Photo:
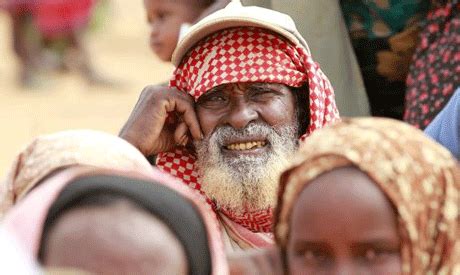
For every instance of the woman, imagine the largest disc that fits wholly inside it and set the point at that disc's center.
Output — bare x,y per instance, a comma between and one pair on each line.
126,223
377,196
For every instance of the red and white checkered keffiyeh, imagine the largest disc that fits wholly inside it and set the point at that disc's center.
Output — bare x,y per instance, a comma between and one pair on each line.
247,54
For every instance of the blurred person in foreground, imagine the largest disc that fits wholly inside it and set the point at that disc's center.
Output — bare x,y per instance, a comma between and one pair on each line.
245,92
114,222
14,259
434,73
41,27
370,196
69,195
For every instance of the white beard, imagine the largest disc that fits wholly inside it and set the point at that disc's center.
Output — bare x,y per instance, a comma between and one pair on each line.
246,182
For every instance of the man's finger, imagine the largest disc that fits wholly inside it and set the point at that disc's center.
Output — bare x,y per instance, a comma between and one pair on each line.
189,117
181,133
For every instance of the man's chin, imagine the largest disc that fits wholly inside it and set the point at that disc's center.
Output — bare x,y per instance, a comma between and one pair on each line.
242,184
243,167
240,171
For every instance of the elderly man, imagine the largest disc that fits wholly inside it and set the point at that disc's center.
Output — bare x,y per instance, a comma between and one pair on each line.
244,92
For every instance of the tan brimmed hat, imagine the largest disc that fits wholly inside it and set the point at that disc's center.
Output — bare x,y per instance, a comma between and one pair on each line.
236,15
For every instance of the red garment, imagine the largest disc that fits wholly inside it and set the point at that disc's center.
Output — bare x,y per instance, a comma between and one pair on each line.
435,72
55,18
247,55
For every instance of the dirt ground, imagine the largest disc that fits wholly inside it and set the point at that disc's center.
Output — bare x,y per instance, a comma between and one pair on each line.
119,50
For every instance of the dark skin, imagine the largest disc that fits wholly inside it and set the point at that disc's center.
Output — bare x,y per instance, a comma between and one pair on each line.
256,262
235,105
342,223
83,238
27,51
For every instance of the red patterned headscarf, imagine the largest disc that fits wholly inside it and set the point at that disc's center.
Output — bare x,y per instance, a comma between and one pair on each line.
247,54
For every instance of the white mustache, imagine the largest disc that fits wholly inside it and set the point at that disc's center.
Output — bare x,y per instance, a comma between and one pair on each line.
224,133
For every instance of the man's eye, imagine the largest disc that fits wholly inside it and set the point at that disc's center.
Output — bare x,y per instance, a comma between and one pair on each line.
216,98
213,101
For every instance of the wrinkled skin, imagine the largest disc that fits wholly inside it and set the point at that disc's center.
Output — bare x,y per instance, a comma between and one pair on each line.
151,131
236,105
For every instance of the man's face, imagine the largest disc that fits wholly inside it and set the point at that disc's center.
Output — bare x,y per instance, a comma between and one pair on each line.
250,133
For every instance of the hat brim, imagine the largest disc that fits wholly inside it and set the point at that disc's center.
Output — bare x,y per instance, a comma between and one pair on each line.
200,31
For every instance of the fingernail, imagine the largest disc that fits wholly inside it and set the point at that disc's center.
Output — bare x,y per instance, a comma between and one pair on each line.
185,141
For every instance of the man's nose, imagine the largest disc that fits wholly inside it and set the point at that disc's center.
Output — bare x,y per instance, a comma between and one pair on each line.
241,114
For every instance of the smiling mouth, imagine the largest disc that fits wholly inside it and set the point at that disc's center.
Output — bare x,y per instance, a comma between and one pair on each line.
242,146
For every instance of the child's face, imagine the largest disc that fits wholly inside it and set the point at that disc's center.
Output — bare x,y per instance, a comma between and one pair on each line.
342,223
165,18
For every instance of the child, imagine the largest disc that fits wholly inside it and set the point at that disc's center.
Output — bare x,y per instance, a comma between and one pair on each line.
166,18
41,24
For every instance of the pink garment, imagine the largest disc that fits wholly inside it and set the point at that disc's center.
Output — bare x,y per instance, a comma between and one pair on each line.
26,220
55,18
18,7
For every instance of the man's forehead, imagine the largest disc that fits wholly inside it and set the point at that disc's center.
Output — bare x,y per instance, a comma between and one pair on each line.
248,85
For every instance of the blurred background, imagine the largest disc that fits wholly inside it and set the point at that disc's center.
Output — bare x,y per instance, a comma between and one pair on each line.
118,47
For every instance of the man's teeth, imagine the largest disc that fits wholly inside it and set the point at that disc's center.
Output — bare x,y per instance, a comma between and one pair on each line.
246,145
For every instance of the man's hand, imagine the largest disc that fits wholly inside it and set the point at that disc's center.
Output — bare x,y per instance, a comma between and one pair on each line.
162,118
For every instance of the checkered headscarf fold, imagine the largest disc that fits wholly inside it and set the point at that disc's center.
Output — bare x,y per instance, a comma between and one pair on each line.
247,54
